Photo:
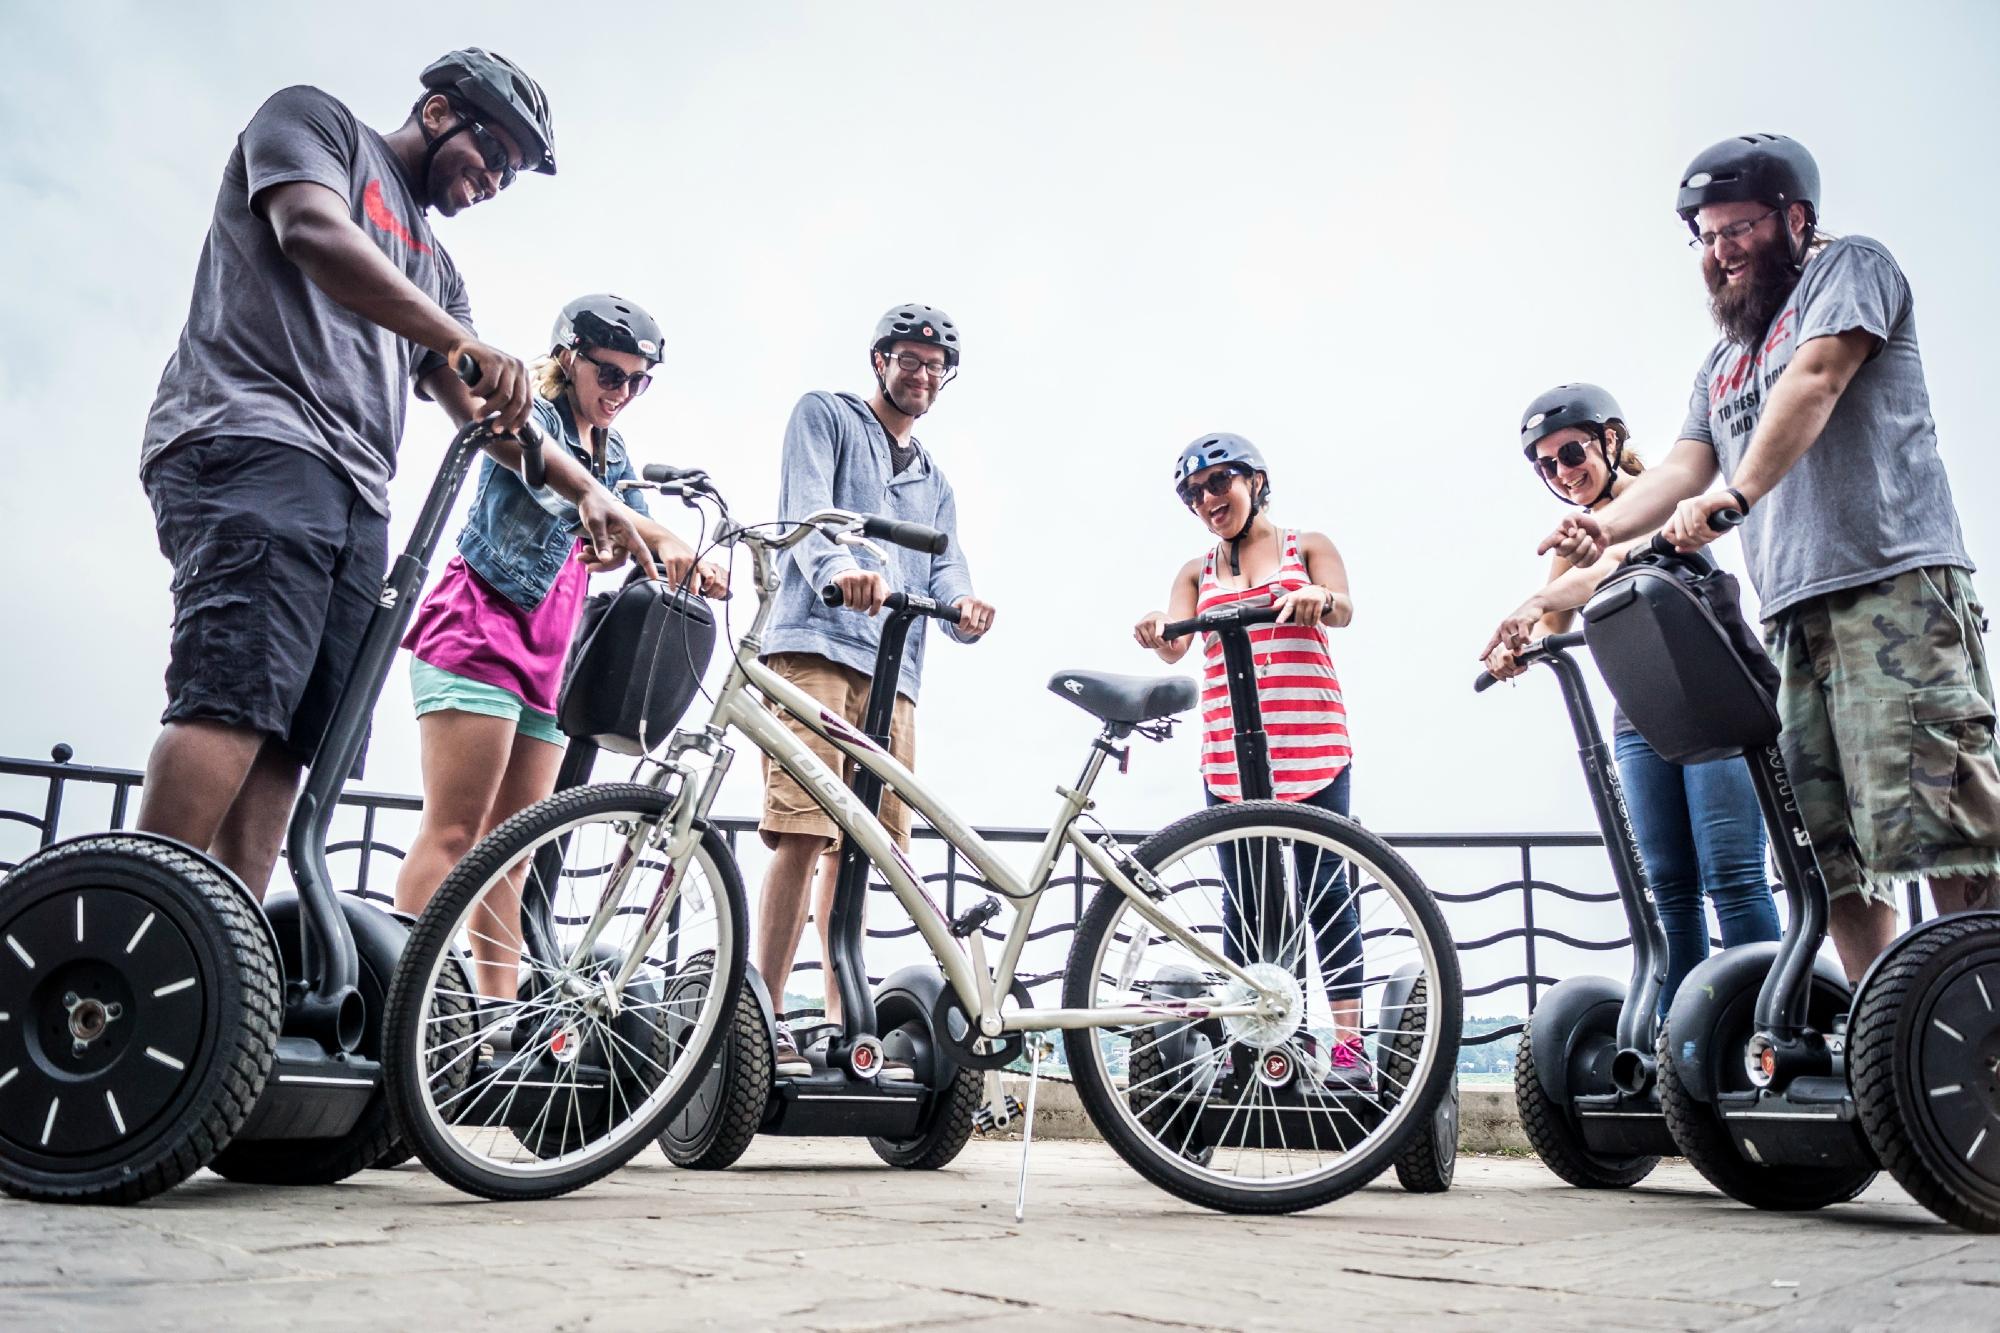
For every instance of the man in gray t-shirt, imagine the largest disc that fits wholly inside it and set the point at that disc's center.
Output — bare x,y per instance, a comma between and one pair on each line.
1813,407
321,295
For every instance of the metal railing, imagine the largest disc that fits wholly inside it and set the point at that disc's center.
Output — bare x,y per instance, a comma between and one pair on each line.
1511,954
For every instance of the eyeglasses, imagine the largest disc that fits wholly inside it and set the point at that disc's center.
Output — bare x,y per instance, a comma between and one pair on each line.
611,378
1570,455
1218,484
939,371
492,152
1732,233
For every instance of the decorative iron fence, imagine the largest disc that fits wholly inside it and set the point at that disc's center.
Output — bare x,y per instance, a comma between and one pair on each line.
1508,932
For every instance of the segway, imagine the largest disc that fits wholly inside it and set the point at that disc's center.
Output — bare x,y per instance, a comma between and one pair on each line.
1584,1073
1429,1162
154,1019
1779,1091
919,1123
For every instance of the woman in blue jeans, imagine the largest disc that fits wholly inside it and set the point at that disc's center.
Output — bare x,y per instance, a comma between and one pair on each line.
1699,829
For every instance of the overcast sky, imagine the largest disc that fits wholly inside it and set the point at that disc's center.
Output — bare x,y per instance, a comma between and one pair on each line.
1363,236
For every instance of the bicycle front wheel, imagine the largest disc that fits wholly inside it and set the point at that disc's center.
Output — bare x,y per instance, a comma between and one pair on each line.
545,1074
1344,1063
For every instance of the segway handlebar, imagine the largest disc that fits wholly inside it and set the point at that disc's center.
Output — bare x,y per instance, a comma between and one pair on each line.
1722,520
915,603
1223,617
1540,650
534,470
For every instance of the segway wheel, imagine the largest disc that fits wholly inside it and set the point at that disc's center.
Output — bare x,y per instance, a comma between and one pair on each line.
1429,1163
956,1090
1554,1135
1925,1067
716,1126
139,1011
1704,1140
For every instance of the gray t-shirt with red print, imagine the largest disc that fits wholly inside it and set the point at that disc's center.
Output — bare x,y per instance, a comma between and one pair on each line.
267,354
1869,500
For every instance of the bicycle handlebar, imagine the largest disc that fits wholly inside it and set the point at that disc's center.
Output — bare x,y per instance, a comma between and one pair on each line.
911,536
534,470
1221,618
915,603
1540,650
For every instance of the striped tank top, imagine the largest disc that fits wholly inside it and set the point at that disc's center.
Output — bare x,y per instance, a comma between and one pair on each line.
1297,690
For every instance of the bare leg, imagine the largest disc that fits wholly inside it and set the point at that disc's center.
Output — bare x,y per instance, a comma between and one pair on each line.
465,757
827,881
255,827
1861,930
1965,893
193,778
530,776
781,908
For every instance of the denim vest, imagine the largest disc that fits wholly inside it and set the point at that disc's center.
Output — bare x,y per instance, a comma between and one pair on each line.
517,539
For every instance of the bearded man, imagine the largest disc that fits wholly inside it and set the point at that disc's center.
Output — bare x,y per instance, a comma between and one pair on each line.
1813,408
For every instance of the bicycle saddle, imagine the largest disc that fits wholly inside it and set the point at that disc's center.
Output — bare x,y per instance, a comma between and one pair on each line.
1125,699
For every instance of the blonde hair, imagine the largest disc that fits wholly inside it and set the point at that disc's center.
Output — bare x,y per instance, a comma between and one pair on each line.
1629,461
549,378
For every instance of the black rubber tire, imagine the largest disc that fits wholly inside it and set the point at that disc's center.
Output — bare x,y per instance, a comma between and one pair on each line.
950,1127
1895,1059
1555,1137
399,1150
721,1119
1146,1062
372,1137
1703,1139
433,935
1104,1101
234,1026
1429,1163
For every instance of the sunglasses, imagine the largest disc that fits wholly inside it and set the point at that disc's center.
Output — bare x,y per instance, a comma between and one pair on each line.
611,379
491,151
1570,455
1218,484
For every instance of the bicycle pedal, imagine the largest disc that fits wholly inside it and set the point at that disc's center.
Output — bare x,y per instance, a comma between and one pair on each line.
975,916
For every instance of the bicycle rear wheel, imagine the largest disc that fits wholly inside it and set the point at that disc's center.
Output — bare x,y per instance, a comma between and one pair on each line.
1319,1093
553,1083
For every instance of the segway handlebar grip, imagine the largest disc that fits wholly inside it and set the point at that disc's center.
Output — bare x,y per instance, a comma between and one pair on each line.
1722,520
533,470
911,536
914,602
1540,650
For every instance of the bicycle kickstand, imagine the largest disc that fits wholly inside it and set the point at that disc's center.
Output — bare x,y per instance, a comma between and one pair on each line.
1038,1046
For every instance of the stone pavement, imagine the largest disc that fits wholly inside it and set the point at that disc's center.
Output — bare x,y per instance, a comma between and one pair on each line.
816,1234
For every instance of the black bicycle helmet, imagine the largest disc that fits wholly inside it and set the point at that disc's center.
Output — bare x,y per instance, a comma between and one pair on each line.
1583,405
917,324
1753,168
610,322
496,87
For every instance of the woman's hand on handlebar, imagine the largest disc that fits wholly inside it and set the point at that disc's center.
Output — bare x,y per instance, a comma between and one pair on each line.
974,617
502,390
1516,632
1502,663
861,590
1147,631
1688,529
1304,606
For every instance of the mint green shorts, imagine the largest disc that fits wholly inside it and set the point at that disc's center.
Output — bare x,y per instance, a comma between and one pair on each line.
436,689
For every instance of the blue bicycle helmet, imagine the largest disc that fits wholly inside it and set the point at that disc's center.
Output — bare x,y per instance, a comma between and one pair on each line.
1222,447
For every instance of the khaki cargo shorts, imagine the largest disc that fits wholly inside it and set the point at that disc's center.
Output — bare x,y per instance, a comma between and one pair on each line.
1887,706
844,692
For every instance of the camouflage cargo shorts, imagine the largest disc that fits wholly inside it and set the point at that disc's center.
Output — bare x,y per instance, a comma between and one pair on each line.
1888,730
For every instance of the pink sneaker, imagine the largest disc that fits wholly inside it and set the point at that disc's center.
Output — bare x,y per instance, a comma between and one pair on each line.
1348,1068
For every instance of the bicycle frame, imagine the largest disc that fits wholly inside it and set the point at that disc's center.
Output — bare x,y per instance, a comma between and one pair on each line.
982,992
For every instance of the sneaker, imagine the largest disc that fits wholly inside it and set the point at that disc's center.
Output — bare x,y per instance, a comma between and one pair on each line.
787,1061
1348,1069
896,1071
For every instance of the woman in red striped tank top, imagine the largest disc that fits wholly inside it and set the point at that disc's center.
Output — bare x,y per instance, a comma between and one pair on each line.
1223,480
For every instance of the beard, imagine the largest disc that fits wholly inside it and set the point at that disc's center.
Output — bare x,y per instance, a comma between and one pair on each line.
1744,309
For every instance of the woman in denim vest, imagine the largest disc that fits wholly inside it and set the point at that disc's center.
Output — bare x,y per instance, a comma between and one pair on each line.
1699,829
487,646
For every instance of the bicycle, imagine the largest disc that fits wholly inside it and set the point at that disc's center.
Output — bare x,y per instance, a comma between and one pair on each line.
1244,1120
